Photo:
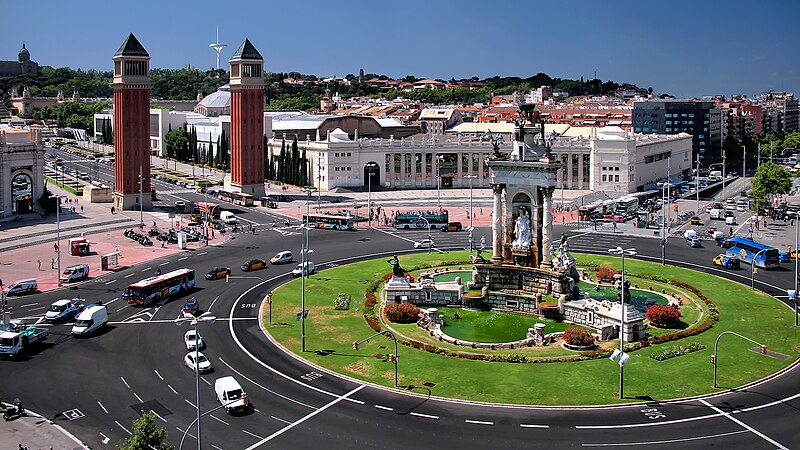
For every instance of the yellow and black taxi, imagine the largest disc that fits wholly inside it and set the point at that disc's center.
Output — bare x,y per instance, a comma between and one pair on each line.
695,221
726,261
254,264
218,272
452,226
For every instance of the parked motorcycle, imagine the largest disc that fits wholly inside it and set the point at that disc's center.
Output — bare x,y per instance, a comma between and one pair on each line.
14,411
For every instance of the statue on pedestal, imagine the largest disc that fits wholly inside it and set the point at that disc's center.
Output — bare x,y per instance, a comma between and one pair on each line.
522,231
396,269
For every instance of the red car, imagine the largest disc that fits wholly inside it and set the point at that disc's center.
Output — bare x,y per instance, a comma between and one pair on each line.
191,307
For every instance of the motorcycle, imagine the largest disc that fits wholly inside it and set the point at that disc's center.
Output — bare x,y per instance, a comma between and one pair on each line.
14,411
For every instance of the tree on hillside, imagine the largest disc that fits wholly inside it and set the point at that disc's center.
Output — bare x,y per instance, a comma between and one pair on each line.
146,435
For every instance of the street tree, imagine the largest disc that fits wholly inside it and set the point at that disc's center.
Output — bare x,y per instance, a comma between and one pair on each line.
770,180
146,435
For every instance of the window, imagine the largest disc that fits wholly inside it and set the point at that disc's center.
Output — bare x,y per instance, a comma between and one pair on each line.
604,178
616,169
637,130
616,178
691,115
669,122
668,130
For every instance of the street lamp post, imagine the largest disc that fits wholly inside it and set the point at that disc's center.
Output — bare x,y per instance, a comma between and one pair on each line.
430,238
195,321
716,347
697,185
303,274
753,269
438,184
796,238
723,174
58,236
370,166
744,160
622,253
470,177
141,205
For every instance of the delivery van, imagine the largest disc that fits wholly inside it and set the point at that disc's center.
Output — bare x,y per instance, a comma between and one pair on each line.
22,287
228,217
75,273
90,319
230,394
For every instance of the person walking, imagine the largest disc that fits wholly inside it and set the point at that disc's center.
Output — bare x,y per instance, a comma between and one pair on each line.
112,210
52,263
39,262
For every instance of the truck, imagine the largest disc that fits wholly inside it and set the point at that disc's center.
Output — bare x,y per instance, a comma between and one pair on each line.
715,213
14,342
715,175
89,319
62,310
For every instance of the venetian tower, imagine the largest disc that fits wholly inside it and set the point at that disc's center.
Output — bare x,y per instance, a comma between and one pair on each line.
131,125
247,121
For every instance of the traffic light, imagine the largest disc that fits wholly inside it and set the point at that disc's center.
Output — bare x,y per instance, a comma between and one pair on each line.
392,358
355,345
763,349
713,359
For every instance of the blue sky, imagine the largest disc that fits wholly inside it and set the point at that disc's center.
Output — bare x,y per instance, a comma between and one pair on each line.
686,48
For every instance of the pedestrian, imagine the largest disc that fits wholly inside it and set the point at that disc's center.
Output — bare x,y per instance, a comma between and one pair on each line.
52,263
81,208
731,231
163,244
562,220
116,249
55,247
39,262
154,224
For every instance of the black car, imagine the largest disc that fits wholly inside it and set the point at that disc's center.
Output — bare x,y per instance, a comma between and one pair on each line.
254,264
452,226
217,273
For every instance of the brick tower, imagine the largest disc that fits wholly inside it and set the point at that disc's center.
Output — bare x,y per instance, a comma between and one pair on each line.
247,121
131,125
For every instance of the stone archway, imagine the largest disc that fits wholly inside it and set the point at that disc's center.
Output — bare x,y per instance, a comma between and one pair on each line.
372,175
21,193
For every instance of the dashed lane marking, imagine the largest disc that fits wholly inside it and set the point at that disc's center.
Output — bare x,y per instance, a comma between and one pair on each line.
162,419
426,416
111,281
159,375
101,405
265,388
164,263
530,425
126,383
173,389
385,408
478,422
181,259
206,381
744,425
120,425
281,420
202,253
218,419
138,398
129,275
145,270
187,401
253,434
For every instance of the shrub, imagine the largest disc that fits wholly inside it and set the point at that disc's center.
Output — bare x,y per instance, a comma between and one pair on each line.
606,274
663,316
388,276
401,312
676,350
578,336
342,302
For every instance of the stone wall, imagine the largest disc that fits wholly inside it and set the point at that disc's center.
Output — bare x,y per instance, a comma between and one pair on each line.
514,302
425,296
527,279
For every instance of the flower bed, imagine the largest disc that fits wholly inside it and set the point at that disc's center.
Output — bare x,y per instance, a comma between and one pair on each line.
673,351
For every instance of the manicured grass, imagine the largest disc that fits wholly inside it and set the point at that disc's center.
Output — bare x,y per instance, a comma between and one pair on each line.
493,326
330,333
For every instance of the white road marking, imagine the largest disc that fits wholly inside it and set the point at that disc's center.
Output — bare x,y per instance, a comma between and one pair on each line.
280,420
385,408
154,313
218,448
126,430
202,253
164,263
207,382
145,270
112,301
36,309
187,401
121,309
181,259
29,304
126,383
111,281
310,415
744,425
105,438
158,375
218,419
138,398
669,441
129,275
101,405
173,389
162,419
187,433
530,425
427,416
478,422
212,303
253,434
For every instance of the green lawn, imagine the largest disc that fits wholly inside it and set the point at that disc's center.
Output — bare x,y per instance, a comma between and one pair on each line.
493,326
330,333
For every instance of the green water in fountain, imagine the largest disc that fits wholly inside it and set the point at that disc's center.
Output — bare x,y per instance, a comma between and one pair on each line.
493,326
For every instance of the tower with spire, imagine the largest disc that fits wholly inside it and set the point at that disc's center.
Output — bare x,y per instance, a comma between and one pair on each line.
247,121
131,85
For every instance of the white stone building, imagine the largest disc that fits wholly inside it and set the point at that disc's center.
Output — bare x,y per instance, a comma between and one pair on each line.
21,171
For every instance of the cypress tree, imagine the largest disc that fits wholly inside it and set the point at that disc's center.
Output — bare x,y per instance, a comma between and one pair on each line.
224,150
303,169
270,164
295,165
282,162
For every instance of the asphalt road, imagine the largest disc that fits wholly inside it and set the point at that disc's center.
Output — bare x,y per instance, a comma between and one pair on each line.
95,387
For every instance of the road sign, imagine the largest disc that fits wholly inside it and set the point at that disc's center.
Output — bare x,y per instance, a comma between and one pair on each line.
663,242
791,293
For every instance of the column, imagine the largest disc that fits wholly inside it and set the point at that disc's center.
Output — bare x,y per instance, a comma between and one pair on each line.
497,231
569,180
481,168
402,169
508,226
392,173
547,226
459,170
580,171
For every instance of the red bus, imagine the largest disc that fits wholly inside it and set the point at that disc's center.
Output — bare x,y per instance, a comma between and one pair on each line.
237,198
159,287
206,211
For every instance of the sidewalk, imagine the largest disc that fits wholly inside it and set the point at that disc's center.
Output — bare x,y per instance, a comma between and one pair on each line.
35,432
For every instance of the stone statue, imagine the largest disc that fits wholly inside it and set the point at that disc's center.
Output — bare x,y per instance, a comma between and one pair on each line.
396,269
522,231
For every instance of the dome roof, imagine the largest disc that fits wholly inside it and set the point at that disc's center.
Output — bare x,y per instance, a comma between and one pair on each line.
219,99
24,54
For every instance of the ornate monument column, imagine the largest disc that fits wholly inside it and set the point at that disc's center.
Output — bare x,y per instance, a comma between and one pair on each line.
547,225
497,231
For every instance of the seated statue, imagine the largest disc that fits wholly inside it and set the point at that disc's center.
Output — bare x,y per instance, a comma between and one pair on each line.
522,231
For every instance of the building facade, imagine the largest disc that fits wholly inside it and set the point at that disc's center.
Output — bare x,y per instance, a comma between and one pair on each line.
701,119
22,66
21,171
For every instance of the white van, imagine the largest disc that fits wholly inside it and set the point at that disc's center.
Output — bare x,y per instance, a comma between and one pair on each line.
282,257
75,273
230,394
22,287
228,217
90,319
301,270
689,235
730,220
715,213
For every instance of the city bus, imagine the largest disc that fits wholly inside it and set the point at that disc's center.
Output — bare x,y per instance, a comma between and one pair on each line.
159,287
237,198
330,221
626,208
406,220
206,211
590,212
746,250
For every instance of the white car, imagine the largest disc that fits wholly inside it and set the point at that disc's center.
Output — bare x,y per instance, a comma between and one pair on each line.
193,341
425,243
203,366
307,252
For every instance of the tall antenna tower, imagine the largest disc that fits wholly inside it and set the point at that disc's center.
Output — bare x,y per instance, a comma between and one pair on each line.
217,47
